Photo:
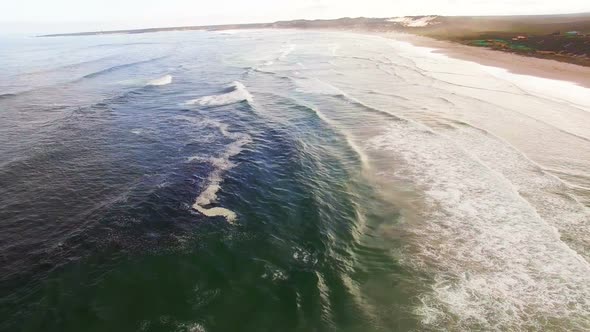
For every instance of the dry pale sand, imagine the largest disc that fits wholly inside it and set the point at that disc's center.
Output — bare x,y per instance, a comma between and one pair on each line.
512,62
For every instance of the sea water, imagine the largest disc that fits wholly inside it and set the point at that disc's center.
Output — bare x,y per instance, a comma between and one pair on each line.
286,181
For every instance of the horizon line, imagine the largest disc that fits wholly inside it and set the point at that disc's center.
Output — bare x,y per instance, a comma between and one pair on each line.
197,27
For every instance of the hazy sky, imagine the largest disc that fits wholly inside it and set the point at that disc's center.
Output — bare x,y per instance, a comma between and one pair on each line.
70,15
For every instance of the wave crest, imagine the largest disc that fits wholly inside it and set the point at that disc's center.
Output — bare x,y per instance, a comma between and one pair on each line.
235,93
164,80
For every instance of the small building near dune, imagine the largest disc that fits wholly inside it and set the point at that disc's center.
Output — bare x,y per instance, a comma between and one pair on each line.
572,33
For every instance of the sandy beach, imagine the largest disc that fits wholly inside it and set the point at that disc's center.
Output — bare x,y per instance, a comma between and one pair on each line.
514,63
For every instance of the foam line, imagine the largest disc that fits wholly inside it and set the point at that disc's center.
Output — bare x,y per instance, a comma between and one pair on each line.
496,260
221,164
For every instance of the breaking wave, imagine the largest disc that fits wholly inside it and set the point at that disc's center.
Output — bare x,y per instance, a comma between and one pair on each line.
505,242
235,93
286,50
496,256
164,80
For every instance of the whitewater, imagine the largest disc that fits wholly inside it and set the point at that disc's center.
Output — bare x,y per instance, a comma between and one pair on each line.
502,232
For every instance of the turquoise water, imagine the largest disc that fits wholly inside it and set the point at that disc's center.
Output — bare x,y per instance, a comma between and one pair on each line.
283,181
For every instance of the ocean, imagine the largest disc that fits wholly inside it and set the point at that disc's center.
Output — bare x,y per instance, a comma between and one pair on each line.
273,180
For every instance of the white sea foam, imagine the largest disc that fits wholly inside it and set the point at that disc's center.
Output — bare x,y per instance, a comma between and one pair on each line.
190,327
334,49
164,80
274,273
283,53
506,243
221,164
497,262
286,50
237,93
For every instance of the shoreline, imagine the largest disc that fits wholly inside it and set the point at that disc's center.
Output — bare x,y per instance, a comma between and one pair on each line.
513,63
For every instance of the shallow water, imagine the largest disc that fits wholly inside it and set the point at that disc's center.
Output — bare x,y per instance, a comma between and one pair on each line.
287,181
